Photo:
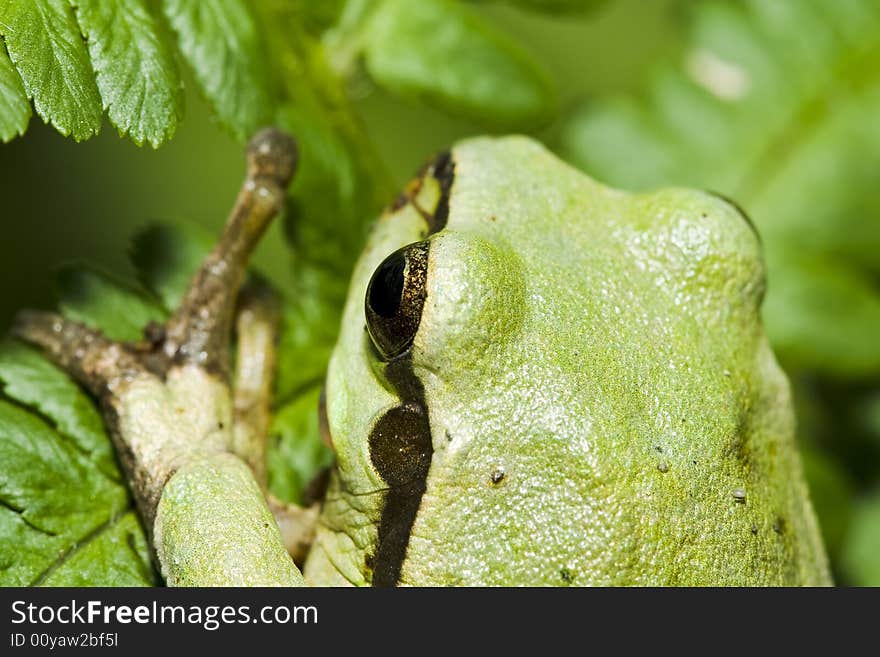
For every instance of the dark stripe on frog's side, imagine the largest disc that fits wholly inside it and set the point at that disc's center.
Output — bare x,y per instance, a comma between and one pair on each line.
401,448
400,443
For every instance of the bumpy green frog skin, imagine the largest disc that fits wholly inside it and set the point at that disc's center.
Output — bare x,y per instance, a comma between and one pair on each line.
559,383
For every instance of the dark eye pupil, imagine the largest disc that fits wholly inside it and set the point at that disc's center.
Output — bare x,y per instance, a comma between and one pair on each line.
386,288
394,299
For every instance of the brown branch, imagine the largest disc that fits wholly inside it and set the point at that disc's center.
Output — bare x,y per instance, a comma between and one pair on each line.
199,331
91,358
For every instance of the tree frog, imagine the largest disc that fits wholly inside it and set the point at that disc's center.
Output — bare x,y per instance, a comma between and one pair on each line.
540,380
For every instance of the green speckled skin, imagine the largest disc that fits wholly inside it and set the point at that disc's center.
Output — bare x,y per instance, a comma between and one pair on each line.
606,351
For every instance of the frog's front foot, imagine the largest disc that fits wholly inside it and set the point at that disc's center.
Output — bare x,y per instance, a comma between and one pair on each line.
193,449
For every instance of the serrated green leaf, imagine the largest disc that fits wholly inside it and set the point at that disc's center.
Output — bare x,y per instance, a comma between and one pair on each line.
116,555
96,300
166,257
45,44
33,381
136,71
441,52
15,109
221,42
774,105
41,469
296,451
861,558
55,503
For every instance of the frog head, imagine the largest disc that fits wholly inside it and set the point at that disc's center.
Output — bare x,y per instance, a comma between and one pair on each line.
543,380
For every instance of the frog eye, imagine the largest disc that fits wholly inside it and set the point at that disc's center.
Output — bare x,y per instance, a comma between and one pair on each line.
395,297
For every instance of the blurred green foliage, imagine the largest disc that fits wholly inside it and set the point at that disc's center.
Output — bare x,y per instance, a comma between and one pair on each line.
771,103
